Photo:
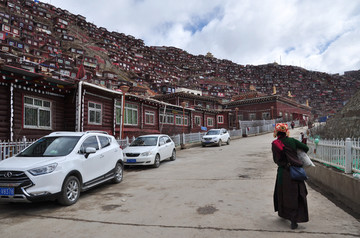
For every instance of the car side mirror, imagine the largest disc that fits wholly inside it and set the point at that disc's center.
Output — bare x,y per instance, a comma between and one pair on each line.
89,150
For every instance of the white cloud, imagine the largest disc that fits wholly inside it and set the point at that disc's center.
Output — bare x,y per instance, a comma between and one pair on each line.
318,35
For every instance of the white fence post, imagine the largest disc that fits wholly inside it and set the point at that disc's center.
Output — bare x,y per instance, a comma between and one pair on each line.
348,157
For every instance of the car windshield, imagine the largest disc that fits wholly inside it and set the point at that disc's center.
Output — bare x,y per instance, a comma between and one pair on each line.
145,141
51,147
214,132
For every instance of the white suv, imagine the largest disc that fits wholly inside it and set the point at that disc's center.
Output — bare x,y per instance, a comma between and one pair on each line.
216,137
60,166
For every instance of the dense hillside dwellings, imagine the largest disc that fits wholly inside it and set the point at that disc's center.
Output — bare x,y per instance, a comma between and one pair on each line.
47,44
34,105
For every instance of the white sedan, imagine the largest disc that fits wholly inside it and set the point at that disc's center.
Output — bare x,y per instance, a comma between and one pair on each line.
149,150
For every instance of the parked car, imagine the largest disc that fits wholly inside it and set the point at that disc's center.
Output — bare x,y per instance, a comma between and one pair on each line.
60,166
149,150
216,137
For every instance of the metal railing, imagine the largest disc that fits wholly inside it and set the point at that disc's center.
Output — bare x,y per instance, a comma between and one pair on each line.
11,148
8,149
343,154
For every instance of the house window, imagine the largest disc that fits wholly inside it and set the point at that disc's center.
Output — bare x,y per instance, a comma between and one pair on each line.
286,116
266,115
180,120
37,113
220,119
170,118
149,117
94,113
197,120
280,114
252,116
131,114
210,121
118,111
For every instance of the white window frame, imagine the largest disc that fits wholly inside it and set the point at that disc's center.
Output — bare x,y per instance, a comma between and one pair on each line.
252,116
210,121
197,120
131,111
220,119
179,120
39,105
170,119
94,109
149,117
118,112
286,116
266,115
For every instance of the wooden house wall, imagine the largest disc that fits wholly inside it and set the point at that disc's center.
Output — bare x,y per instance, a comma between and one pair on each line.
70,112
4,112
133,130
225,122
142,128
197,128
107,110
206,116
57,114
153,128
173,129
257,108
293,112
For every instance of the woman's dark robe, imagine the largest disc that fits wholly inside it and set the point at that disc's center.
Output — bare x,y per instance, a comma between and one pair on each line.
289,195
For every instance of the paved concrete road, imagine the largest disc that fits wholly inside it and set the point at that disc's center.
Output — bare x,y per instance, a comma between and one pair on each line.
207,192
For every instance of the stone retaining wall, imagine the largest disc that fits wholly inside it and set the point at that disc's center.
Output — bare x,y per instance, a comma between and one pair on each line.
344,187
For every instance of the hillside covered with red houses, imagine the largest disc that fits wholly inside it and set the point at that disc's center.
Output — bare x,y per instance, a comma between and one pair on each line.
45,39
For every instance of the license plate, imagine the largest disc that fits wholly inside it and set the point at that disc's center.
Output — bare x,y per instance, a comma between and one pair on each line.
131,160
7,191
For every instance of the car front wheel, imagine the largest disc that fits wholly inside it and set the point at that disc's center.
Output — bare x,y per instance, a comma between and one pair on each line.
220,142
70,192
118,173
228,141
157,161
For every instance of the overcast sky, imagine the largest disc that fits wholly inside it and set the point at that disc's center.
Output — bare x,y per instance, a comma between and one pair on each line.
320,35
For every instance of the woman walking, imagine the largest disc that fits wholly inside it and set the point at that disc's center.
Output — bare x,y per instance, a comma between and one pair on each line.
289,195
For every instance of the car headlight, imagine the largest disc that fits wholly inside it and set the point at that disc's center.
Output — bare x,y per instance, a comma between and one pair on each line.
43,170
147,153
